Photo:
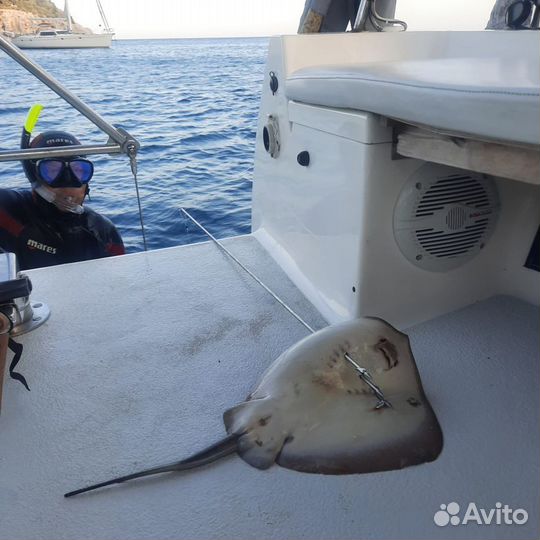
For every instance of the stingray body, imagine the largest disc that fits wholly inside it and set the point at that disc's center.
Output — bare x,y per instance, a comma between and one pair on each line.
312,412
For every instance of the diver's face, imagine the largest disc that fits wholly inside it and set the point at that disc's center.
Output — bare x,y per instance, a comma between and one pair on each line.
74,194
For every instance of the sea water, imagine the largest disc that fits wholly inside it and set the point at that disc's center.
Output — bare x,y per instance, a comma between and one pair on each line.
191,103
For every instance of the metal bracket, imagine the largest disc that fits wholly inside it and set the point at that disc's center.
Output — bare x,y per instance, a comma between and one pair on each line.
18,315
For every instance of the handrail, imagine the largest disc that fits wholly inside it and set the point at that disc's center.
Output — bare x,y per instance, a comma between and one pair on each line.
361,16
125,143
59,151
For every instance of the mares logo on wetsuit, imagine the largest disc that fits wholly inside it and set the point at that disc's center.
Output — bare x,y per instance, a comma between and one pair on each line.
32,244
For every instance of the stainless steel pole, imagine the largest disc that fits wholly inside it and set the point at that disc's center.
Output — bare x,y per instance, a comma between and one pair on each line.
361,16
60,151
121,138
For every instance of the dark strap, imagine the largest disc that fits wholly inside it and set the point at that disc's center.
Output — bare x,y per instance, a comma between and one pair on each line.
17,349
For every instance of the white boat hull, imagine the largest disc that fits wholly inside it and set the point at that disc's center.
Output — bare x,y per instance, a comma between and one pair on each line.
65,41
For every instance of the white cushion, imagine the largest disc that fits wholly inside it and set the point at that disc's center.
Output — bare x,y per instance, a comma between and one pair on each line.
482,97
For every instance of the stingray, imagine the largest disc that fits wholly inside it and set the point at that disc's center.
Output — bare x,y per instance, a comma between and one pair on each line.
311,412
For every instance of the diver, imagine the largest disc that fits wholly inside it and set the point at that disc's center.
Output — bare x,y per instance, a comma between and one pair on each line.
48,224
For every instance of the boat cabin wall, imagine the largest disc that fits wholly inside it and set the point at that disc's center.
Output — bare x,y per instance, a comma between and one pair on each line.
324,205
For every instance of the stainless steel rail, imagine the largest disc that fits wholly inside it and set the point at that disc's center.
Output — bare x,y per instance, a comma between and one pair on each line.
361,16
59,151
122,141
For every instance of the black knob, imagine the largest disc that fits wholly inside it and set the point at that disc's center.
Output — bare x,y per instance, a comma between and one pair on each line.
274,83
303,158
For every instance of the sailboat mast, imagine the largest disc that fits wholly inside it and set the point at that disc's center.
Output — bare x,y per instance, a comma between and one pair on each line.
68,16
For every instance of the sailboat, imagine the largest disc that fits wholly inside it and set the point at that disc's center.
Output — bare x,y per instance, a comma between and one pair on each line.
52,38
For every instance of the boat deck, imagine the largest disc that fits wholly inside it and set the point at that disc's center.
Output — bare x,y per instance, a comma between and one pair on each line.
144,352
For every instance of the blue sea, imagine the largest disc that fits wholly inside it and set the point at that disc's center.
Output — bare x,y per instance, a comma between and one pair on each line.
191,103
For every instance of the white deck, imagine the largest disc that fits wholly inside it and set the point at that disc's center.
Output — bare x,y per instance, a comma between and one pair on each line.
144,352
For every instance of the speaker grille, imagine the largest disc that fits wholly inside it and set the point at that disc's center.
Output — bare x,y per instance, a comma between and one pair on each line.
444,217
453,189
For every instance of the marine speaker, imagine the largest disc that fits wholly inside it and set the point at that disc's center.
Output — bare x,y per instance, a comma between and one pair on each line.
444,216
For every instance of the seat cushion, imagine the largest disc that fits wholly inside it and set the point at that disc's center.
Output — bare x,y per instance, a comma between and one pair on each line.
481,97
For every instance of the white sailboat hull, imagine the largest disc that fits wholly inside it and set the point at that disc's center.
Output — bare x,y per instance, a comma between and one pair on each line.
64,41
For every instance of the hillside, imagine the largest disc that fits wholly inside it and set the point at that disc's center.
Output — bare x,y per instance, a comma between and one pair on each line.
16,16
38,8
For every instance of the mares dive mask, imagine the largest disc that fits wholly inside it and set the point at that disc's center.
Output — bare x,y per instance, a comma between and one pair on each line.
46,174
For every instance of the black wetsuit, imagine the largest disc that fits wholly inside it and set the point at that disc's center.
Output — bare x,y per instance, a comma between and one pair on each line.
40,235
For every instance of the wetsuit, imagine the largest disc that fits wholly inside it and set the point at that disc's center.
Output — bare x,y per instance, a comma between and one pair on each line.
40,235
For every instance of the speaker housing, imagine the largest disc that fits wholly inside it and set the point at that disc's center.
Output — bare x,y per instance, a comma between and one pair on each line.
444,216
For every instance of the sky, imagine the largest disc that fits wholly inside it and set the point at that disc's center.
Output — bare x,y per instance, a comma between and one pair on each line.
216,18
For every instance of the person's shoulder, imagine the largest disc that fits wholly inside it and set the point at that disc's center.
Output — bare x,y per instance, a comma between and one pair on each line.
15,195
103,229
100,225
95,219
13,199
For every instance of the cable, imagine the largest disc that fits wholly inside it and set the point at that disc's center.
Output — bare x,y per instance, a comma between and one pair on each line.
132,153
221,246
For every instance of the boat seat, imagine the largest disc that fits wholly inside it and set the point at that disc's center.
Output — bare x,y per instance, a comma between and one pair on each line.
484,98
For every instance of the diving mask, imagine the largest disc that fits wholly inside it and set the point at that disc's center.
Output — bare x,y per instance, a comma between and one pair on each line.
73,172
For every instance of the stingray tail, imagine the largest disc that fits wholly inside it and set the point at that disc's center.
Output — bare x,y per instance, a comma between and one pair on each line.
212,453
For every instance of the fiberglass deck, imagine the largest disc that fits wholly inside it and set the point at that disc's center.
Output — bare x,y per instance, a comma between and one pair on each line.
143,353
